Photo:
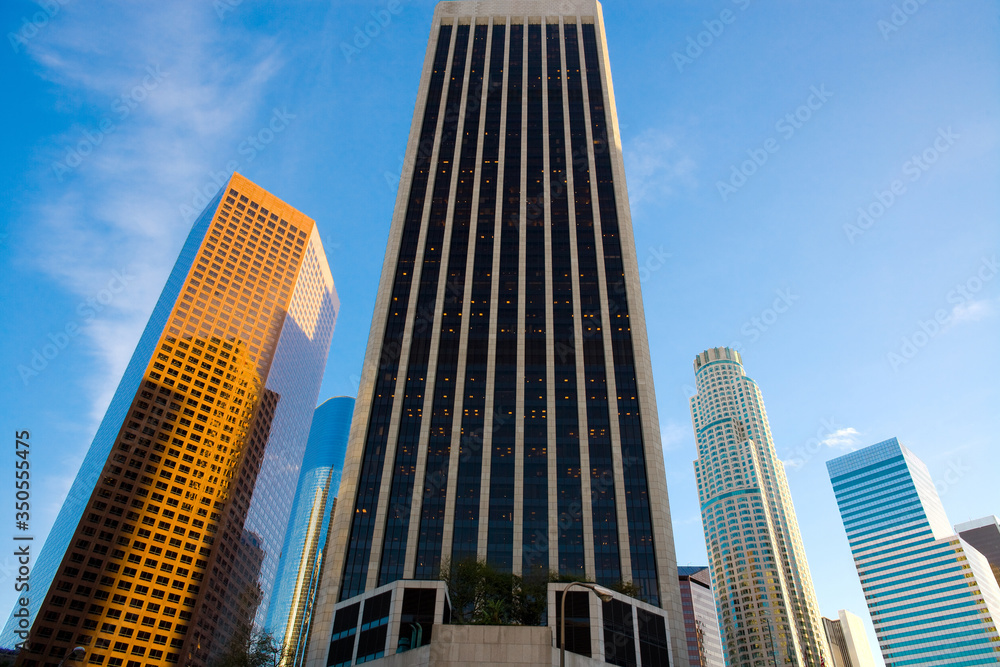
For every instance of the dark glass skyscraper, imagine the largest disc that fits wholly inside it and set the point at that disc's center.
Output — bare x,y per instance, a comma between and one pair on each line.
506,410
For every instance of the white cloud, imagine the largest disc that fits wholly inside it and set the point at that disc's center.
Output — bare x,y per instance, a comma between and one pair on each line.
654,165
843,438
846,439
972,311
673,434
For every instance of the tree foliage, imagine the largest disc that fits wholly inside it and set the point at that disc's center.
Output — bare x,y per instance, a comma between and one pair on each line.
483,595
628,588
249,648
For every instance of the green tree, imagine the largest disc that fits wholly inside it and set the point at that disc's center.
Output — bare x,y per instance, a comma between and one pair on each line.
483,595
628,588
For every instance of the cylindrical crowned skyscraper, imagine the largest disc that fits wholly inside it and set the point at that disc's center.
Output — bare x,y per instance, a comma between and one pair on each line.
506,410
767,607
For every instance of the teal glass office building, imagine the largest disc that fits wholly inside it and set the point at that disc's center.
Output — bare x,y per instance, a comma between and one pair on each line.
302,554
932,596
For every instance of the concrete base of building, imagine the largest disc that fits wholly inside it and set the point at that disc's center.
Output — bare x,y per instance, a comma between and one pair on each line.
409,623
486,646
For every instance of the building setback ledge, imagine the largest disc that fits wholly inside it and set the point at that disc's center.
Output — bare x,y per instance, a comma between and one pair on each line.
486,646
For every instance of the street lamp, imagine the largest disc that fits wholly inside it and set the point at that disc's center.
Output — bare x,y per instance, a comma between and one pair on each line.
74,655
602,593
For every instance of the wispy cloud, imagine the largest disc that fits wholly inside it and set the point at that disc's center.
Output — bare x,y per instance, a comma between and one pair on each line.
828,436
972,311
843,438
673,434
655,166
188,100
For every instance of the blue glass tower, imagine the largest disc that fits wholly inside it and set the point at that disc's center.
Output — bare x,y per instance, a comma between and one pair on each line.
932,597
305,540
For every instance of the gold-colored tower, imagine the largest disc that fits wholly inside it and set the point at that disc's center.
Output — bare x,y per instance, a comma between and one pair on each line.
174,551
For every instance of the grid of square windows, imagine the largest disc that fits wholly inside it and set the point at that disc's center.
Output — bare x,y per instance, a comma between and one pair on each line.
139,563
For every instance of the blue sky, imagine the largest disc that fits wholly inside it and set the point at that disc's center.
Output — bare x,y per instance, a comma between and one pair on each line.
753,133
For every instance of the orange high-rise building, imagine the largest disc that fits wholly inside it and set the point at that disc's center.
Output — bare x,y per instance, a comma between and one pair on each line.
169,540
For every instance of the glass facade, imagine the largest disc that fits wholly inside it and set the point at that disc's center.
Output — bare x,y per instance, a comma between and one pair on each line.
500,530
701,621
766,601
305,545
550,337
577,621
396,618
984,535
177,542
377,435
932,597
295,375
506,411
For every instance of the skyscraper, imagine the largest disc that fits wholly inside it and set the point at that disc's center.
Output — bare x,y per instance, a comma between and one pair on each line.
701,620
305,548
169,539
767,607
932,597
847,640
984,535
506,410
838,644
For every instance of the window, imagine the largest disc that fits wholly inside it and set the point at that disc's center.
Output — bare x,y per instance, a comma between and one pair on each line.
619,640
577,622
345,625
417,618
